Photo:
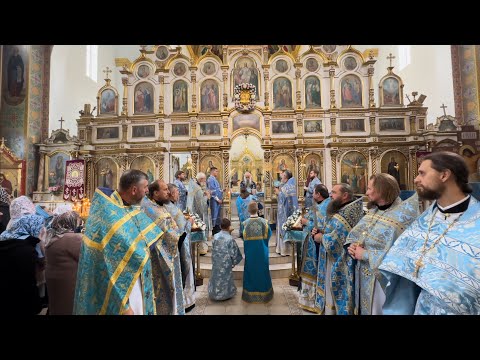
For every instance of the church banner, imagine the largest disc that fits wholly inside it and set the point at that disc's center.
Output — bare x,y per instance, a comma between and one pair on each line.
74,188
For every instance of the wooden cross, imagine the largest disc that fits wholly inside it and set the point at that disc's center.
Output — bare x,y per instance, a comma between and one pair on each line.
61,123
107,71
444,107
390,57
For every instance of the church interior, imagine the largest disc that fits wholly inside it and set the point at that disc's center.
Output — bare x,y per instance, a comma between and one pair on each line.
74,118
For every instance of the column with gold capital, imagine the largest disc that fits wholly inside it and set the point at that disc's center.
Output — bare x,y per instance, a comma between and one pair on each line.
125,96
161,80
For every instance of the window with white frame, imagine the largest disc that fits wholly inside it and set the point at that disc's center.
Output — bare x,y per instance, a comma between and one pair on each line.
403,56
92,61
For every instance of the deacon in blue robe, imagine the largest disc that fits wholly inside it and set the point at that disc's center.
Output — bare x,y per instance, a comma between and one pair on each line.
182,190
311,188
216,199
335,287
257,282
309,266
242,207
225,255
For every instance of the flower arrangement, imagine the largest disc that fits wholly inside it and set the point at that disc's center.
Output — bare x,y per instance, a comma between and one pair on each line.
198,223
244,95
292,222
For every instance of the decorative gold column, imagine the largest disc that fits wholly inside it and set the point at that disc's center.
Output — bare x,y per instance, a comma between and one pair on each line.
333,122
194,164
333,156
193,130
266,120
299,126
413,125
161,80
298,73
266,78
225,87
161,165
373,156
414,167
331,73
372,126
371,92
124,132
89,186
300,177
193,77
125,96
161,131
267,171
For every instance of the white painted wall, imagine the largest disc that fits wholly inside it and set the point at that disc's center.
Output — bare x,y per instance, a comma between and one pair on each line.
70,88
429,73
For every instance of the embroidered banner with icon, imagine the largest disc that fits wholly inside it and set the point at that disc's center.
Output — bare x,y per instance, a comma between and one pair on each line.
74,188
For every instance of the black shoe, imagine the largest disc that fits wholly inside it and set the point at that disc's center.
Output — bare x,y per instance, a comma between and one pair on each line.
190,308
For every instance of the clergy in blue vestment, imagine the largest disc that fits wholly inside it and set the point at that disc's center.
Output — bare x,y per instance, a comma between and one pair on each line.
257,282
182,190
184,226
242,206
335,288
114,269
309,264
287,203
314,181
433,267
167,274
370,240
225,255
197,203
216,199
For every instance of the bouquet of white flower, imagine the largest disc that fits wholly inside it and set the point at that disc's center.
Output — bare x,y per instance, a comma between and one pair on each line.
293,221
198,223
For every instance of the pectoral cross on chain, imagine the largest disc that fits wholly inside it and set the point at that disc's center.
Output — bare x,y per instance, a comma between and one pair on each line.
418,265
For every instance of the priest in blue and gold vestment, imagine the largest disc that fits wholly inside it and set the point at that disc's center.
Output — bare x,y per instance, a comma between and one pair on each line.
257,282
370,240
335,288
287,200
309,266
188,279
433,267
114,270
198,203
167,274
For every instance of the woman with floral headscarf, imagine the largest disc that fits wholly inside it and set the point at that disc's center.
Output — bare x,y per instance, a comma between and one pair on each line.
19,266
62,252
19,208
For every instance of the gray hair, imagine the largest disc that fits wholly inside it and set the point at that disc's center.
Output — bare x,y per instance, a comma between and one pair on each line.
201,175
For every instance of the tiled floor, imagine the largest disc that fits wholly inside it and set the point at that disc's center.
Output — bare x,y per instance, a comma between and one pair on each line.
284,302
